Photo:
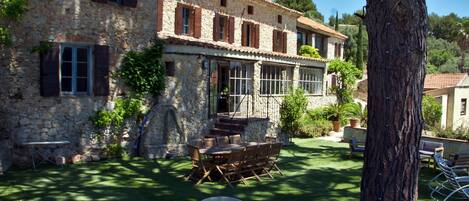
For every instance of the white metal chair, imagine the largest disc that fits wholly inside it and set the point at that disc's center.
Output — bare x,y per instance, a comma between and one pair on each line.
451,182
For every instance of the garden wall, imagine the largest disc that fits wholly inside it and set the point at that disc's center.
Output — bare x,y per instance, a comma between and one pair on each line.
5,155
451,146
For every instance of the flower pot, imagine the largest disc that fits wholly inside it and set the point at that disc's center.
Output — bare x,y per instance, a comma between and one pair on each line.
76,159
354,123
336,126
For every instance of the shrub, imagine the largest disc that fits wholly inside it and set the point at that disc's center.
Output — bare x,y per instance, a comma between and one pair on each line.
460,133
309,51
292,109
319,113
347,76
431,111
314,128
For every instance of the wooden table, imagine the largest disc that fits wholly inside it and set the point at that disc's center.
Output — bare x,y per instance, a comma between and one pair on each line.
39,153
228,149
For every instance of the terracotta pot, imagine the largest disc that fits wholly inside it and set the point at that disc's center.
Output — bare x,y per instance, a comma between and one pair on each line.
354,123
336,126
76,159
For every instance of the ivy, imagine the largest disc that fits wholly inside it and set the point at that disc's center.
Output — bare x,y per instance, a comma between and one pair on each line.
10,10
142,71
347,76
123,109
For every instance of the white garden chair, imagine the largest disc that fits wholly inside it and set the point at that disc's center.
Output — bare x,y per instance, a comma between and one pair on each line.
452,182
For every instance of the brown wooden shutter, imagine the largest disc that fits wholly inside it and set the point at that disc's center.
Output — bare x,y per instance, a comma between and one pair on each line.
178,21
274,40
231,30
197,22
49,67
129,3
256,36
216,27
243,34
159,15
284,42
101,70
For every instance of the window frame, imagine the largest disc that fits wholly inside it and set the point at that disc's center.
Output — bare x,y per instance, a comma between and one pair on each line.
74,63
308,77
223,31
223,3
250,10
183,22
463,107
273,81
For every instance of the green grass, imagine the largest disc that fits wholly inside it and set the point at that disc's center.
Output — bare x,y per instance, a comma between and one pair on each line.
315,170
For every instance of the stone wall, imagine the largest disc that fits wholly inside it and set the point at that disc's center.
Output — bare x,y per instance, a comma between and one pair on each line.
35,118
265,15
5,155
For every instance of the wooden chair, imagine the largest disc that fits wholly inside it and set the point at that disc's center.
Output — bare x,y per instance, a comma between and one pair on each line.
273,157
250,161
230,171
199,165
209,142
262,159
223,141
235,139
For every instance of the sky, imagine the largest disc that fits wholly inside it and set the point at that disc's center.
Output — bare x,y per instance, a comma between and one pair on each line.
441,7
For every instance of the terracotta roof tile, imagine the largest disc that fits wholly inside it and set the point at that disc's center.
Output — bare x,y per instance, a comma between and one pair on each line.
321,28
438,81
182,40
271,3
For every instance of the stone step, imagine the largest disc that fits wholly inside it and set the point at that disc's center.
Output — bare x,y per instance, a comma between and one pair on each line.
241,121
223,132
230,126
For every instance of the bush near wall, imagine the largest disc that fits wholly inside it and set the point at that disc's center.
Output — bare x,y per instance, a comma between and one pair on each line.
460,133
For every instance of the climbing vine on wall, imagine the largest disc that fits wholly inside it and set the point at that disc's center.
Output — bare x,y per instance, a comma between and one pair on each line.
10,10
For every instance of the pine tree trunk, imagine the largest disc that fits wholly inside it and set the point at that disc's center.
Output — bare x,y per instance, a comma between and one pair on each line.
396,71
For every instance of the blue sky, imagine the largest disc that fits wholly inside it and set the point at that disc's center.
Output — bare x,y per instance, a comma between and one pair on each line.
441,7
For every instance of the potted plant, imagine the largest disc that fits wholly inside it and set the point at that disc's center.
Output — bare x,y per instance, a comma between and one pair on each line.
335,112
357,115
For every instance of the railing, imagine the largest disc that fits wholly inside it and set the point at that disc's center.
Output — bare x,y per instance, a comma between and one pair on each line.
265,106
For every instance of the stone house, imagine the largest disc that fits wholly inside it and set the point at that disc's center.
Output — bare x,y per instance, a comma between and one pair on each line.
223,59
451,90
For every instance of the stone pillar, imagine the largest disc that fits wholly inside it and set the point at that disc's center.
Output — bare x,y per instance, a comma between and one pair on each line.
256,86
313,40
296,76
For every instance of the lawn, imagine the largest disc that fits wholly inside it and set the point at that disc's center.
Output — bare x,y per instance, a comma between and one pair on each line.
315,170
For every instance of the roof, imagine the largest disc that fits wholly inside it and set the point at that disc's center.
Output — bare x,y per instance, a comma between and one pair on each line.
438,81
276,5
321,28
187,41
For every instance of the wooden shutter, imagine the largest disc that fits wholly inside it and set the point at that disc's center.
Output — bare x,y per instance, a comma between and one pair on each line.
101,70
159,15
129,3
197,22
243,34
256,35
274,41
178,21
49,67
284,42
231,30
216,27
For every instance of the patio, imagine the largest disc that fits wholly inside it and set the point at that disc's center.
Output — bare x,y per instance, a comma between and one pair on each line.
315,170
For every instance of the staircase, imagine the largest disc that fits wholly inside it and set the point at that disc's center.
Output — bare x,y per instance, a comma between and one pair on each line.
226,126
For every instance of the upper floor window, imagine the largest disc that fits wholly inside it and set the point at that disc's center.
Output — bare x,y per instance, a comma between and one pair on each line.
188,20
75,68
337,50
251,10
223,3
311,80
279,41
223,28
301,39
280,19
250,35
319,41
463,106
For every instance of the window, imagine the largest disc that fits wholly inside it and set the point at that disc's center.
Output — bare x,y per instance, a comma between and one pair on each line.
75,69
279,41
301,39
463,106
250,35
186,13
250,10
275,79
337,50
311,80
222,26
319,44
223,3
279,19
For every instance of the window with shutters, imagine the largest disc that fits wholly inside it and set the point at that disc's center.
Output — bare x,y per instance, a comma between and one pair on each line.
463,106
311,80
223,27
188,20
75,69
275,79
279,41
250,35
186,14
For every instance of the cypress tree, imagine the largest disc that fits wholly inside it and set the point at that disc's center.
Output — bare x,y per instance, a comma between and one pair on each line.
359,56
337,21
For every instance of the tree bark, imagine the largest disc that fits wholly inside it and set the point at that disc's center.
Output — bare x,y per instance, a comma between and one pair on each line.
397,32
